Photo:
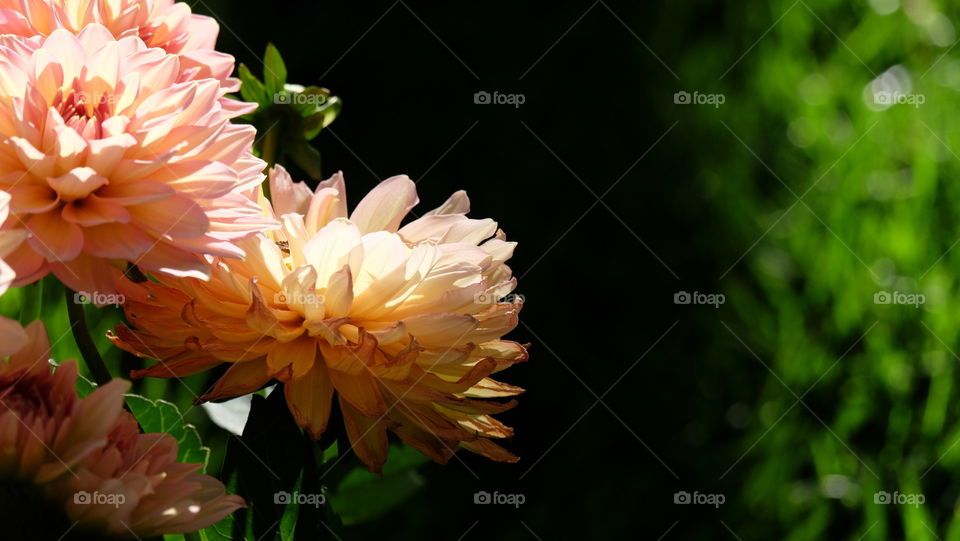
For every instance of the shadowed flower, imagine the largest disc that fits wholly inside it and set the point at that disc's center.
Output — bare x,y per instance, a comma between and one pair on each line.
166,24
145,490
108,159
45,430
403,323
88,457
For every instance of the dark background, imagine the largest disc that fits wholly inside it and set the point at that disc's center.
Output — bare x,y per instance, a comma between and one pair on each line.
620,198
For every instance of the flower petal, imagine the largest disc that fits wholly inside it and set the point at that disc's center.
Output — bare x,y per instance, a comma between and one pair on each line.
386,205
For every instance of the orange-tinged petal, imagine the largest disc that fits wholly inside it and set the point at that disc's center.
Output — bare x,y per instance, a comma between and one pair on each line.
309,398
92,211
361,391
300,353
55,238
33,198
241,378
368,437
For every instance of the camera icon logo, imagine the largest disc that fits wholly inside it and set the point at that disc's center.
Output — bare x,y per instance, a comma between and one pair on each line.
682,297
883,97
81,298
482,98
82,498
681,498
882,297
483,298
280,298
882,498
482,498
282,498
682,98
281,98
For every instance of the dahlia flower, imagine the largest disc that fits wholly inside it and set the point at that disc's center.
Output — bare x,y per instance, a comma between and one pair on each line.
87,455
45,430
165,24
402,323
109,158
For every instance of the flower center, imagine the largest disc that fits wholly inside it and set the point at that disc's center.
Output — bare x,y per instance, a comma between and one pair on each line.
85,111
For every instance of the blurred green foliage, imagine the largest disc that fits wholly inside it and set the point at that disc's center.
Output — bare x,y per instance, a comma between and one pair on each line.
848,198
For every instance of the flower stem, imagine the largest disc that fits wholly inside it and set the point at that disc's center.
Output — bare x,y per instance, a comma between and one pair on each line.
32,303
270,149
81,333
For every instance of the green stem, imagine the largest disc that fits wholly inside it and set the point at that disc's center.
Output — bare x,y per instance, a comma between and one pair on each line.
81,333
269,154
32,303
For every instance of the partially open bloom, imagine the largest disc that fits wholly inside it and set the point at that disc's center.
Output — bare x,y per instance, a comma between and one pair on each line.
109,158
166,24
88,457
403,323
148,492
45,429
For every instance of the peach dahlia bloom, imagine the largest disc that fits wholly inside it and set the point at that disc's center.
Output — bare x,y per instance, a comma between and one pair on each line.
88,456
166,24
401,322
108,158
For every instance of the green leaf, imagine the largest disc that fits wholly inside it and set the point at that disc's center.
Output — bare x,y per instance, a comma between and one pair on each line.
251,89
274,71
163,417
363,496
322,118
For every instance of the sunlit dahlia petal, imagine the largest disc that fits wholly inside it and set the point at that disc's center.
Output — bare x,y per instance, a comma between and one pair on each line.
403,324
109,155
385,207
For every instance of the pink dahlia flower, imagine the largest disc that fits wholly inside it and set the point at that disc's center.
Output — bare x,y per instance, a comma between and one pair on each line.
88,457
166,24
108,158
45,430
